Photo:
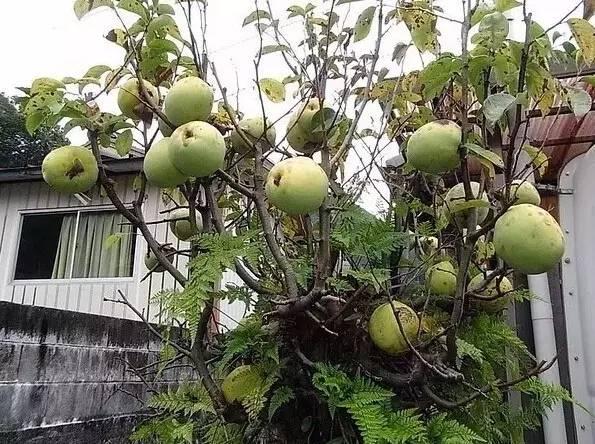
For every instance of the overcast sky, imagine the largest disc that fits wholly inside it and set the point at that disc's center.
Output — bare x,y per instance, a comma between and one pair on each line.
44,38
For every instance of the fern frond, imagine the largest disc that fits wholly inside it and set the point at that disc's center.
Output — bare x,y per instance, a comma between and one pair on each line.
281,397
219,432
442,430
187,400
164,431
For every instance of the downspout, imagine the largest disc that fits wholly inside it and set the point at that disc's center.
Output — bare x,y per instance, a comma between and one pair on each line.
542,318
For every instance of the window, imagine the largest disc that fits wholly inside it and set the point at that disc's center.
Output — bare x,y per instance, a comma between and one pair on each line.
72,245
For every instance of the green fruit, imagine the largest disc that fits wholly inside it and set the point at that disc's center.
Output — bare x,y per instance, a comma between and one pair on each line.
197,149
441,279
188,100
70,169
434,148
131,101
524,192
454,203
242,381
504,287
152,263
297,185
384,329
159,169
529,239
304,116
180,226
298,139
165,129
253,129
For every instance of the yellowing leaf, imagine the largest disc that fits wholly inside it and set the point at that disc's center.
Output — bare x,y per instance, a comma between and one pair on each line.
421,22
538,158
273,89
584,34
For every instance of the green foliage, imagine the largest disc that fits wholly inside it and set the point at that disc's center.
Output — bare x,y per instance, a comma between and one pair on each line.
18,148
187,400
218,432
280,397
164,431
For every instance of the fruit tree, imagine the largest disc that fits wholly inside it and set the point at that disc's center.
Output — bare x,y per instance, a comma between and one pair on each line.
374,328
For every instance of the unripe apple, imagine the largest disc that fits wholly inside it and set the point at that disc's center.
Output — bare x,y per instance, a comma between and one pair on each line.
529,239
524,192
304,116
70,169
253,129
298,139
502,289
454,201
130,100
159,169
180,226
197,149
188,100
242,381
297,185
384,329
434,148
152,263
441,279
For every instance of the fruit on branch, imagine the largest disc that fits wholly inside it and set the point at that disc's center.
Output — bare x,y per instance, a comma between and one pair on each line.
180,225
497,287
524,192
253,129
70,169
158,167
529,239
197,149
298,139
242,381
188,100
384,329
300,129
458,209
434,148
131,101
152,263
296,186
441,279
165,129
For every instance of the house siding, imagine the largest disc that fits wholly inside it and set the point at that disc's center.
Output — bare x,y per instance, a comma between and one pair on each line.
82,295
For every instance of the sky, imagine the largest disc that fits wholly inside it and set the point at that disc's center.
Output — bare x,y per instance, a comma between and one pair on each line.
44,38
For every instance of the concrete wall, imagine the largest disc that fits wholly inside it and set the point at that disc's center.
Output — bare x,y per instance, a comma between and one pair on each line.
63,375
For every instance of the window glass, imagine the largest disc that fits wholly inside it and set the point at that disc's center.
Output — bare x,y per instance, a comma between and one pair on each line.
73,245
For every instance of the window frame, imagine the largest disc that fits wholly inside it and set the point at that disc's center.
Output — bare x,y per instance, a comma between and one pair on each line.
67,210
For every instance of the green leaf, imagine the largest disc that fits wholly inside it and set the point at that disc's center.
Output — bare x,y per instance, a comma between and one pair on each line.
342,2
281,397
296,11
506,5
164,8
322,120
495,105
134,6
117,36
485,154
469,204
33,121
112,240
97,71
162,26
589,80
82,7
580,101
273,89
400,51
363,24
255,16
436,76
538,158
584,34
273,48
480,12
124,142
44,84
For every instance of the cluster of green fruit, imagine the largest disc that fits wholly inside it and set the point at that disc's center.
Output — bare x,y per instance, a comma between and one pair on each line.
526,237
193,148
